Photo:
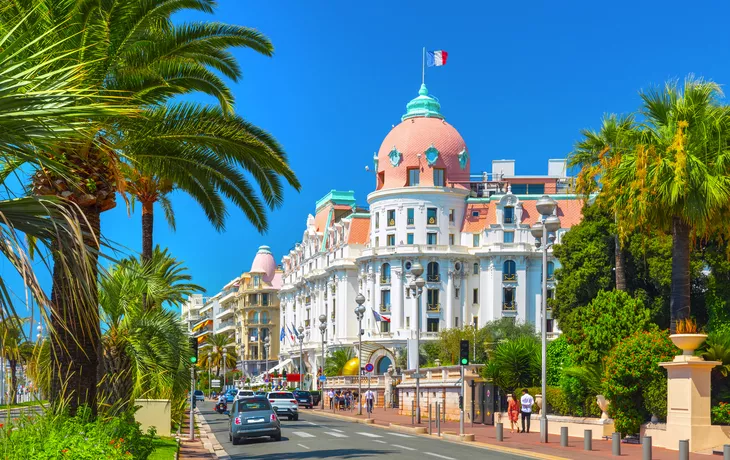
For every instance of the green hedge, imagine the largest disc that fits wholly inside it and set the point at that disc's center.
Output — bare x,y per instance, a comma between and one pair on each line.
559,404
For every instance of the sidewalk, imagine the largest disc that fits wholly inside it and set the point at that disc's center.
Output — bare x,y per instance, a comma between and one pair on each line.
525,443
192,450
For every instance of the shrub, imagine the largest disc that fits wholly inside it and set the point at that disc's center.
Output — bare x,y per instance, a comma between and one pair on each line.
559,403
655,398
515,364
721,414
80,438
630,371
558,358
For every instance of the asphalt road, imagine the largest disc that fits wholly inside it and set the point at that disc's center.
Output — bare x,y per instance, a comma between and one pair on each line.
318,437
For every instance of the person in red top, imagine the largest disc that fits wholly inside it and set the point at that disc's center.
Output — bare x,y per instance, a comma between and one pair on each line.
513,412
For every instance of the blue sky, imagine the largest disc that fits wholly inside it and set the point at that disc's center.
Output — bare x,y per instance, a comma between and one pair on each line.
522,79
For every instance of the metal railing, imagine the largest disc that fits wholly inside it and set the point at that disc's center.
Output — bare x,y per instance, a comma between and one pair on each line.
409,221
385,280
433,278
433,307
384,308
509,306
509,220
509,277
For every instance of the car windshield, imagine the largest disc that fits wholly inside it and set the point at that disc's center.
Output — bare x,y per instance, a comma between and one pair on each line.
254,405
281,395
245,393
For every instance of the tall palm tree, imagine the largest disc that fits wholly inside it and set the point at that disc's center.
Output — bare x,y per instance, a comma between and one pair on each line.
595,150
676,176
219,344
143,348
137,55
12,345
336,361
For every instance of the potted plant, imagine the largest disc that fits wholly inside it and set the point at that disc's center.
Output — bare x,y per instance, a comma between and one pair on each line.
687,337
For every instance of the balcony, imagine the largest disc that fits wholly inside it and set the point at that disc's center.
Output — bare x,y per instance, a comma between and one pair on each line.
409,221
509,306
433,278
333,316
391,223
509,220
225,313
433,307
509,277
384,308
226,326
385,280
306,323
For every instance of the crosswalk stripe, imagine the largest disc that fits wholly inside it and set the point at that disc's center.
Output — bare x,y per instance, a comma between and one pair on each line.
403,447
336,435
339,431
439,456
379,441
369,435
303,434
401,435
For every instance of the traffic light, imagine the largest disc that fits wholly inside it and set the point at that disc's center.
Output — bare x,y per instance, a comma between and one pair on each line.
464,352
461,402
193,350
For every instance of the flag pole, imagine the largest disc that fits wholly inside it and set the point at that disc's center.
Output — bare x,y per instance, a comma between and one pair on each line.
423,67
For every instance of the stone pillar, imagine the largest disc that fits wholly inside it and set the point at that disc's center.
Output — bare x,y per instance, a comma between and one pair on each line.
450,295
396,298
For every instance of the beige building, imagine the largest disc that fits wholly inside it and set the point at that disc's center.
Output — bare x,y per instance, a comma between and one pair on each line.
257,314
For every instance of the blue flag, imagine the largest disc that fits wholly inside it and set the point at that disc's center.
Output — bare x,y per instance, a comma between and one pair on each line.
282,335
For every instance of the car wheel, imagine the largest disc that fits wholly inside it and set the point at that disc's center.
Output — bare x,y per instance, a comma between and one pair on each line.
230,437
296,418
277,437
236,441
289,418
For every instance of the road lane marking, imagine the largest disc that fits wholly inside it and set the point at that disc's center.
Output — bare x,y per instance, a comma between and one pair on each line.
339,431
303,434
302,445
336,435
401,435
439,456
379,441
403,447
369,435
313,424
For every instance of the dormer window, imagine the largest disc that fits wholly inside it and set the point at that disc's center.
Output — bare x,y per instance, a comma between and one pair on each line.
256,281
439,177
414,177
509,215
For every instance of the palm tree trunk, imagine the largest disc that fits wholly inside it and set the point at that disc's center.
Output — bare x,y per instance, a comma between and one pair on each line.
620,266
148,208
13,381
75,328
680,294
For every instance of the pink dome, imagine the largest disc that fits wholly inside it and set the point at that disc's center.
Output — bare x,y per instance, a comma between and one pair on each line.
423,132
264,263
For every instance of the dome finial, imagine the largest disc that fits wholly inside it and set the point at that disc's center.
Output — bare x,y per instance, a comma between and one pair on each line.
423,106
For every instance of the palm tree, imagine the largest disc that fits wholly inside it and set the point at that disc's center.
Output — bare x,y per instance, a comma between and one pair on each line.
218,345
137,55
12,345
515,364
595,150
336,361
143,348
675,177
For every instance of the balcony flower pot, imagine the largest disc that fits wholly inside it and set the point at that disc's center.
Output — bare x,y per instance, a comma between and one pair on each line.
688,343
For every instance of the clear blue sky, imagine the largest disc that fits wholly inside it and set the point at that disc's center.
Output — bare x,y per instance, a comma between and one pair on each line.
522,79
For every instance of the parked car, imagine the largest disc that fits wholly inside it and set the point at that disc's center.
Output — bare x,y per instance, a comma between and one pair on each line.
261,393
199,395
231,395
253,418
245,394
304,398
284,403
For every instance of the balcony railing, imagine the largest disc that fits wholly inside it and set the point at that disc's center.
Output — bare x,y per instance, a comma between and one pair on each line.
551,277
391,222
385,280
384,308
433,278
306,323
433,307
509,277
509,306
509,220
333,316
409,221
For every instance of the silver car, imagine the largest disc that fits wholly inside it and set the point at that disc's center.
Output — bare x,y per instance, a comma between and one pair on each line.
253,418
284,403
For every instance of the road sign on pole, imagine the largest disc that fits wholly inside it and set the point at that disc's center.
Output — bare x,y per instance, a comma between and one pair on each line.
369,367
322,378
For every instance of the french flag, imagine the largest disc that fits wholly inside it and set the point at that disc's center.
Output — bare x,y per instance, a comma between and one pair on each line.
379,317
436,58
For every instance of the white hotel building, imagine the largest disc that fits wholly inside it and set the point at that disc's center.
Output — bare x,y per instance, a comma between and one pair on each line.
471,233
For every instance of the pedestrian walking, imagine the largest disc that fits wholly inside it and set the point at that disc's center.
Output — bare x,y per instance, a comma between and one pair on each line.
331,395
512,413
370,399
526,401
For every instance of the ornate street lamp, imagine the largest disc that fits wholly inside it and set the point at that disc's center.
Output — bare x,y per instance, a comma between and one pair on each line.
323,331
547,228
210,381
225,354
359,312
416,287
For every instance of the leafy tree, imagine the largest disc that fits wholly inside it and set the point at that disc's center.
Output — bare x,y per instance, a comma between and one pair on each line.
336,361
515,364
449,344
596,328
495,332
14,348
558,358
630,370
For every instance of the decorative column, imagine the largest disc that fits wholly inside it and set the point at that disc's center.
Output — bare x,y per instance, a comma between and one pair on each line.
396,297
450,274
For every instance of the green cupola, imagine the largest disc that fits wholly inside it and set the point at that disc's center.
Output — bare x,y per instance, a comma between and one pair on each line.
423,106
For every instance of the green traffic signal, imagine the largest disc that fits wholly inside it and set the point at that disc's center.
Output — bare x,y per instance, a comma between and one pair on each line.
193,359
464,361
193,350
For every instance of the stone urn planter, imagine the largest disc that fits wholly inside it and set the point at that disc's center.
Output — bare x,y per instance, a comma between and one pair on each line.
538,401
603,404
688,343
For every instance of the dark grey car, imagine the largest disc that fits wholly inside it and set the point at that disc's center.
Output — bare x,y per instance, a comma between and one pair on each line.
253,418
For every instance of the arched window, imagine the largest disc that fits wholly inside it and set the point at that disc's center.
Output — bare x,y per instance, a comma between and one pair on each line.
433,272
265,317
509,271
476,269
550,271
385,274
383,365
256,317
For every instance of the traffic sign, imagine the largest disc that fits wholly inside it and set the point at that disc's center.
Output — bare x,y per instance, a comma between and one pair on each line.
418,376
369,367
322,378
215,383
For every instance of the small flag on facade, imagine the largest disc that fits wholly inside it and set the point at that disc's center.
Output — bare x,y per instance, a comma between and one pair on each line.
379,317
282,334
436,58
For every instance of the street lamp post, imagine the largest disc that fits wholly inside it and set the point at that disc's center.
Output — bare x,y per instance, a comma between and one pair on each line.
323,331
301,356
225,354
544,233
359,312
267,347
416,287
210,381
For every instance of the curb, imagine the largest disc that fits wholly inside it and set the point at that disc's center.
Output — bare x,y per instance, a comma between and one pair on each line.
480,445
452,436
408,429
